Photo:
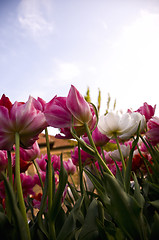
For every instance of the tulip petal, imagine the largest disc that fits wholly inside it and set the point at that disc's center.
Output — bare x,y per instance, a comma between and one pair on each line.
78,106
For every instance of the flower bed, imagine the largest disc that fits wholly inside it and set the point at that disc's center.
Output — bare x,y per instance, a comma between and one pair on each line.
116,158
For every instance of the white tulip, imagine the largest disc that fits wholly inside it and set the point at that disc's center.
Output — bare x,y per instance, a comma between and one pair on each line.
123,125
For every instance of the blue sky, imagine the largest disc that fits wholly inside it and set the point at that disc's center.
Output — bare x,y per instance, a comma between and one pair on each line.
47,45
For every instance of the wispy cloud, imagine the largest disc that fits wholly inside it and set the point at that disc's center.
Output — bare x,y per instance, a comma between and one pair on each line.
67,71
34,17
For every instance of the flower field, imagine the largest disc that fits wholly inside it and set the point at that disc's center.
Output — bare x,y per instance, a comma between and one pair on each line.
115,158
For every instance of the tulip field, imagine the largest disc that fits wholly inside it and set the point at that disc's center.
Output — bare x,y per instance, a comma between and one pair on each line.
116,159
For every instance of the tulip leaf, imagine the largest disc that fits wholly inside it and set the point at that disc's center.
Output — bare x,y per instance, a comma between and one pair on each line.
155,203
155,228
125,209
74,191
137,194
96,113
45,193
69,227
59,193
6,229
87,148
89,230
129,164
15,212
98,184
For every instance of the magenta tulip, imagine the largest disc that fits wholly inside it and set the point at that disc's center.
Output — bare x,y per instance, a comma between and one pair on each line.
153,133
69,166
3,160
62,112
98,138
22,118
147,110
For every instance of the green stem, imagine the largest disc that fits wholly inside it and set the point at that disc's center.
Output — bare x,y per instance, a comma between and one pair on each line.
72,180
52,234
10,168
121,155
101,161
37,170
18,184
80,169
49,171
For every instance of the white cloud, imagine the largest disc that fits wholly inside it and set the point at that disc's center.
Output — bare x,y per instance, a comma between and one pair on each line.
67,71
134,61
35,18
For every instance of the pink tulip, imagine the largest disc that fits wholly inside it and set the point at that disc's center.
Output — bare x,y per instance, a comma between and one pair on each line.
24,165
147,110
57,114
61,112
70,167
78,106
86,158
39,104
2,190
42,161
27,184
98,138
65,133
31,153
42,175
110,163
3,160
23,118
153,133
55,160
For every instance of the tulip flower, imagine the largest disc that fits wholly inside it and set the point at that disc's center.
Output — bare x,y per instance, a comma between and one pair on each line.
65,133
69,166
27,184
62,112
86,158
122,125
30,153
98,138
147,110
125,152
3,160
22,118
24,165
153,130
110,163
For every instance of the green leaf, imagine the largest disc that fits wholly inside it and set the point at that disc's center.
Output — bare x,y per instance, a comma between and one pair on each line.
17,217
74,191
89,230
98,184
155,203
59,193
137,194
69,226
6,229
155,228
125,209
129,164
85,147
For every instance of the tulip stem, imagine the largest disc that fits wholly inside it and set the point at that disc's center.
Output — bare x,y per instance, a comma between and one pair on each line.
80,169
104,165
37,170
52,234
18,183
10,168
121,155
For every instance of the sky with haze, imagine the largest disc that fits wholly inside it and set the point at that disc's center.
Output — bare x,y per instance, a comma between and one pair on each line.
47,45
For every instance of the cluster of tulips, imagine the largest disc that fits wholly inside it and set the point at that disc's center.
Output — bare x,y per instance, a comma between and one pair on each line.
117,160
